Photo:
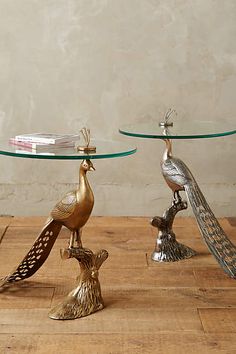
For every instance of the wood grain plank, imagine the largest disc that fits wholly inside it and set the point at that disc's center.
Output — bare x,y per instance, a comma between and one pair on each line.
17,297
111,221
6,220
124,278
163,343
213,278
92,237
148,277
2,232
218,320
109,320
28,220
232,221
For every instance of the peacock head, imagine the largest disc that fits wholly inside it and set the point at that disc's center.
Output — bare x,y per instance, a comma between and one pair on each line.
87,165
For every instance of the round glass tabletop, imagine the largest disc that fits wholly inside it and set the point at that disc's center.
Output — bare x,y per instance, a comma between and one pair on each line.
104,149
180,130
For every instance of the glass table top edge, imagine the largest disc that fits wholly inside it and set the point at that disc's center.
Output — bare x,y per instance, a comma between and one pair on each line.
60,157
114,149
168,136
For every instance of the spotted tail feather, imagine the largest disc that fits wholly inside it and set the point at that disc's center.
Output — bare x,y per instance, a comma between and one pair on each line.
37,255
217,241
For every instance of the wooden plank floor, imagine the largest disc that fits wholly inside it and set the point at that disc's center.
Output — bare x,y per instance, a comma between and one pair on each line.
182,307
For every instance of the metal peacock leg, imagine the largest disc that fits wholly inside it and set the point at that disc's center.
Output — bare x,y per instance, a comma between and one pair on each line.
75,237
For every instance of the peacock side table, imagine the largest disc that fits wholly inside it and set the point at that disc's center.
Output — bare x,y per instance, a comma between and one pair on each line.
179,178
72,211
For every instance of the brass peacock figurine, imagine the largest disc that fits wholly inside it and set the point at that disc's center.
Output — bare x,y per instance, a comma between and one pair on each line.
73,212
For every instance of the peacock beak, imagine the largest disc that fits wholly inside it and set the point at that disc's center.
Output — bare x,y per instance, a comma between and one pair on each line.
92,168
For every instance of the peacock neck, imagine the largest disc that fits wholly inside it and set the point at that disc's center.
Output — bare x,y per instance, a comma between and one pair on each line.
84,186
168,150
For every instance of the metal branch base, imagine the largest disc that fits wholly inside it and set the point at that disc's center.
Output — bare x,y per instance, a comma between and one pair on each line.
86,298
172,251
168,249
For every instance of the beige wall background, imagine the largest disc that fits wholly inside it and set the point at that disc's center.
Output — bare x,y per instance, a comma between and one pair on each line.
103,63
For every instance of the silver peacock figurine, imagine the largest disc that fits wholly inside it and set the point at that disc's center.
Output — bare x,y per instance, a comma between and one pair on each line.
179,178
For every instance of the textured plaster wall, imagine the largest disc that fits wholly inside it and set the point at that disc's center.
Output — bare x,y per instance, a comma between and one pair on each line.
102,63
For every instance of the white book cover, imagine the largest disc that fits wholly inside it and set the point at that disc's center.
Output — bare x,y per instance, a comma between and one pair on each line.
22,151
46,138
39,146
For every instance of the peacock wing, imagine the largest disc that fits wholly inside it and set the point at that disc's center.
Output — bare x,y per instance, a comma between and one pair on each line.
175,170
65,207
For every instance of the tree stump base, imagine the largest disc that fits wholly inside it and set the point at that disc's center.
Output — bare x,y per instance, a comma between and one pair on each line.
168,249
86,298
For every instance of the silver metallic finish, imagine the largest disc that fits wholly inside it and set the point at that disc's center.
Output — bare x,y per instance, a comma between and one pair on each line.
178,177
168,249
166,123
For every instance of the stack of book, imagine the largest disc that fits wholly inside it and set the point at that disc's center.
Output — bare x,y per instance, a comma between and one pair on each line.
40,142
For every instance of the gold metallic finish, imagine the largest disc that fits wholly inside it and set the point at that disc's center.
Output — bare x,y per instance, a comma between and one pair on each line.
37,255
86,298
87,148
73,212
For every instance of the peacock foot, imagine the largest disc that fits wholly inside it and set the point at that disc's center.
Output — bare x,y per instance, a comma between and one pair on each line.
171,251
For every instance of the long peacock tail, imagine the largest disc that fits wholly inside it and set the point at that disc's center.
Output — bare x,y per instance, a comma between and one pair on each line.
217,241
37,255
